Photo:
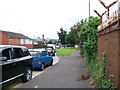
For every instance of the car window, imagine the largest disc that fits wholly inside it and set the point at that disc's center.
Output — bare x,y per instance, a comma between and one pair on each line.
6,53
25,52
34,54
49,48
17,52
44,53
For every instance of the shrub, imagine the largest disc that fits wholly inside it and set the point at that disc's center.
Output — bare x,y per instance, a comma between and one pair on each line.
88,38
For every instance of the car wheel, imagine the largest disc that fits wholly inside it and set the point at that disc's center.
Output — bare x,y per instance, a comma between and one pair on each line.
51,63
54,54
27,74
42,66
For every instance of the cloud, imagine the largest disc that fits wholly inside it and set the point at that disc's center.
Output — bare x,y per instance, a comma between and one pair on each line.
44,16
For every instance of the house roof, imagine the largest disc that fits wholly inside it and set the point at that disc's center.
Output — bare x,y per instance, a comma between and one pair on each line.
12,35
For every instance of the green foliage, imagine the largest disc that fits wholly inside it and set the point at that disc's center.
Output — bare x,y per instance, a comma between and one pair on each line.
90,50
40,43
62,35
98,71
70,39
52,42
88,39
73,37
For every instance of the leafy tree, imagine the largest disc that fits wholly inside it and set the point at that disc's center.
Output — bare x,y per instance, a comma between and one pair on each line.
73,37
88,37
52,42
70,40
40,43
62,35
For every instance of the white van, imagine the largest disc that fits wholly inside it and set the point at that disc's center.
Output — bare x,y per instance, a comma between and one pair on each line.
52,45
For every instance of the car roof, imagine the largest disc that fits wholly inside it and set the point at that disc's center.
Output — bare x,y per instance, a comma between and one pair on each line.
49,47
9,46
40,50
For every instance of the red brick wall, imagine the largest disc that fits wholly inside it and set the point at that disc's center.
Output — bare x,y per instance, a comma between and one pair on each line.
29,46
0,38
109,41
112,55
3,39
101,46
119,58
14,41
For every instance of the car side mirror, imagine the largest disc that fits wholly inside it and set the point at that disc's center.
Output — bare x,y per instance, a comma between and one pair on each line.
3,58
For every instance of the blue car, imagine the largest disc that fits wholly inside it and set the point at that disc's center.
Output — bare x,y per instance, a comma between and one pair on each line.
41,59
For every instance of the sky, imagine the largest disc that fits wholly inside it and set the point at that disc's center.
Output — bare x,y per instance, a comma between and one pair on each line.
34,18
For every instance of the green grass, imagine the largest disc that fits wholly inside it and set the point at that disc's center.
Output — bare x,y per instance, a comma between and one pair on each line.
65,51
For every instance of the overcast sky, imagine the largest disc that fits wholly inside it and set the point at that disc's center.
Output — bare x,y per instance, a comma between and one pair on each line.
36,17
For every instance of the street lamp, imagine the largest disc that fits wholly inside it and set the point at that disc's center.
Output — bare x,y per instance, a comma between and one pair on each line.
89,8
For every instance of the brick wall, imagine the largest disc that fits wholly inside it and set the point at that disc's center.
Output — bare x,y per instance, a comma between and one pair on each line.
3,39
119,59
29,46
109,41
14,41
0,38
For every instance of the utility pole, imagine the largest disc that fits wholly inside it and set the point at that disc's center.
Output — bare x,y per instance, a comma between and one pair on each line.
89,8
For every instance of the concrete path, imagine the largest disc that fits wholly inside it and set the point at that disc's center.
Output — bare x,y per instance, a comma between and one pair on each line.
64,74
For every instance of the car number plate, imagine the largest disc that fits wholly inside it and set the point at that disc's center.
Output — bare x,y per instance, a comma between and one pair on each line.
49,50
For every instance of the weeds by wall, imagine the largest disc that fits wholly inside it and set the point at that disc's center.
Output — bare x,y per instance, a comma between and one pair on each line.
89,39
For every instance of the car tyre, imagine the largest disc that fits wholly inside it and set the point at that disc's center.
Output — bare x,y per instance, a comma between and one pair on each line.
51,63
27,74
42,66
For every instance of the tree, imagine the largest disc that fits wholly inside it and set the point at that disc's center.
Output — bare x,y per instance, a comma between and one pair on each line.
62,35
88,37
70,40
52,41
73,37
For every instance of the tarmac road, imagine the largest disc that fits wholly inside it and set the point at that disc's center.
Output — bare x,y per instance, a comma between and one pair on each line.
64,74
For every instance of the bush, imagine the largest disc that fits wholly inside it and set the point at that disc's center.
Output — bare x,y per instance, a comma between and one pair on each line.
98,71
88,39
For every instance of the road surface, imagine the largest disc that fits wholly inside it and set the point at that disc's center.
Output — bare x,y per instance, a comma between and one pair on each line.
64,74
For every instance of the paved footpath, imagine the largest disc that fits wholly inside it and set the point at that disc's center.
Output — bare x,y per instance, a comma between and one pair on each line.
64,74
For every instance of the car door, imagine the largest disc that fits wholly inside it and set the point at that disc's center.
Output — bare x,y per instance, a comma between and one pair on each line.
8,67
48,58
19,61
44,57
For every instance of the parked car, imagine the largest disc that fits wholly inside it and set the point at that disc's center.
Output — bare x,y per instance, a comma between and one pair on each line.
51,45
50,50
15,61
57,46
41,59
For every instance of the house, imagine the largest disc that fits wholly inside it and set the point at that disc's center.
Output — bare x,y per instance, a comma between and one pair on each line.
12,38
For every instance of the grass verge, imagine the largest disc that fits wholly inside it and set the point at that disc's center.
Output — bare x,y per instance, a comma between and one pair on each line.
65,51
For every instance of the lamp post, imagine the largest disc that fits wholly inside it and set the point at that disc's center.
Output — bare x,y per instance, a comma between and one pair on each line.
89,8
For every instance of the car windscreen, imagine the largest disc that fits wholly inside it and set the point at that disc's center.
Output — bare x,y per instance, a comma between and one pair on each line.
49,48
34,54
